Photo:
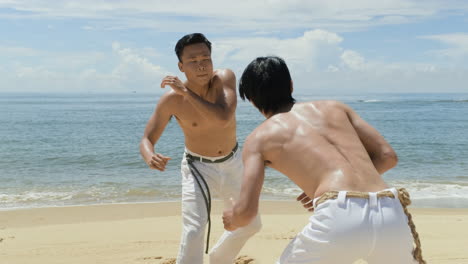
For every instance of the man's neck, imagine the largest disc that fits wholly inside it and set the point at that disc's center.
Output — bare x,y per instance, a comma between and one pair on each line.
283,109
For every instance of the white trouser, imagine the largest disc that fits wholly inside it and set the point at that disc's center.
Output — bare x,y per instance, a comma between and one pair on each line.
345,230
224,180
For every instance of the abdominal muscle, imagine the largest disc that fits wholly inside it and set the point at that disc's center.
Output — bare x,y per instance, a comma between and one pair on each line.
211,141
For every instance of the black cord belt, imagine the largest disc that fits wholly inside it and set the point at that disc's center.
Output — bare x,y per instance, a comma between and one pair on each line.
199,179
192,157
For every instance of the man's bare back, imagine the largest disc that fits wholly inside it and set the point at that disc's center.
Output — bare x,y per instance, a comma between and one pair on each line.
333,155
317,146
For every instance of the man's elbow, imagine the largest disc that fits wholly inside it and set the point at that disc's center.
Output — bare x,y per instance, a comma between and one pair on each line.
390,158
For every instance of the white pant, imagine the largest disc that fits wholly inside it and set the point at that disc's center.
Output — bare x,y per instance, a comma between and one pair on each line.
344,230
224,180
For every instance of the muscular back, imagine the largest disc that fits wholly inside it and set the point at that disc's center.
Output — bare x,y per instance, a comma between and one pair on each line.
319,148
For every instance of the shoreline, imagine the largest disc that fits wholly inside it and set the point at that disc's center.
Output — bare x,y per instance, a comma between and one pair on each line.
268,200
150,232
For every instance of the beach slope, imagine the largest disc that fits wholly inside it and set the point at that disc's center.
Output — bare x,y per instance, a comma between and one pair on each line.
150,232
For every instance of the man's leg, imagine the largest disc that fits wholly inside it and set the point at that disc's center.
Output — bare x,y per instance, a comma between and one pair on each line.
337,233
394,241
230,243
194,219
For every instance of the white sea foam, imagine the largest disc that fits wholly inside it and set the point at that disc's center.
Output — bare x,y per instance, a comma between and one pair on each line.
371,101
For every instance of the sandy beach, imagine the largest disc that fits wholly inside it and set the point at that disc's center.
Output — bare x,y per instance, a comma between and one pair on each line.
149,233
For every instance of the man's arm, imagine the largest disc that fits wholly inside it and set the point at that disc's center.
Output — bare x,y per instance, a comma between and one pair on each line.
246,208
223,108
381,153
153,131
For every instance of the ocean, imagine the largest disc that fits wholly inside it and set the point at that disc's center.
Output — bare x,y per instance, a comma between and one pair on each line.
82,149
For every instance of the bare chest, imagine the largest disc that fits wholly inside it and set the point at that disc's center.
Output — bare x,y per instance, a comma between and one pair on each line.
191,119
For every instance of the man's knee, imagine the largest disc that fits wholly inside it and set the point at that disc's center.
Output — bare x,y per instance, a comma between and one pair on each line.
254,227
193,231
257,224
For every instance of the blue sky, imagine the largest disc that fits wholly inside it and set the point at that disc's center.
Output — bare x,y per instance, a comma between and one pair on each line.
344,47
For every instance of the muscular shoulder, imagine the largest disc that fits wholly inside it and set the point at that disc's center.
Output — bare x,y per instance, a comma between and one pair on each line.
225,74
331,106
169,101
226,77
336,104
268,136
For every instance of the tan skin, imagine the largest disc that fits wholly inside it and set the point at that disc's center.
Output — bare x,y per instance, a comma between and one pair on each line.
203,105
321,146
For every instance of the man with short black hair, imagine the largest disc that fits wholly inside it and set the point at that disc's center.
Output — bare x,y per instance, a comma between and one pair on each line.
204,106
337,159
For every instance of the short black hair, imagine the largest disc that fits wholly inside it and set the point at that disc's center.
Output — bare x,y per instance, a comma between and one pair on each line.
266,82
190,39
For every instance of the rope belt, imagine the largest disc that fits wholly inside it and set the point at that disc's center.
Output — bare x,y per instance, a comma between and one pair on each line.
205,190
404,198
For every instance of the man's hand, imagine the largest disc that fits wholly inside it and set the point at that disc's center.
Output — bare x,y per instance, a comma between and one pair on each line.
158,162
175,84
227,220
306,202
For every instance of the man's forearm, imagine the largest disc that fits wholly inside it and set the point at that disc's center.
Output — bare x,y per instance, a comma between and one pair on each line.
211,110
146,149
242,216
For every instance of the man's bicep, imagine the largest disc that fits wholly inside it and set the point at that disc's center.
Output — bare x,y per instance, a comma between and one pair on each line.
230,99
253,176
228,96
158,122
254,170
372,140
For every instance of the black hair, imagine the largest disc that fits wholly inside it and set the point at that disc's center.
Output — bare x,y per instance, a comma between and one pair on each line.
190,39
266,82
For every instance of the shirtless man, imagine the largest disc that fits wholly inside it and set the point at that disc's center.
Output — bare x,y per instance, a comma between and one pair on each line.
204,106
332,155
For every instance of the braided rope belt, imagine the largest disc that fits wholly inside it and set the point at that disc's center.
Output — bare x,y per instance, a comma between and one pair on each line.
404,198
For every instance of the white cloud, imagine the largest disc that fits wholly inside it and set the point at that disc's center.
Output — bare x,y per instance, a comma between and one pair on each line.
126,71
313,50
317,59
319,63
257,16
13,51
353,60
133,68
457,45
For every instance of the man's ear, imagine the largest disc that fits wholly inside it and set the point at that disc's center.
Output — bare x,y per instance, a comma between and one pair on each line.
181,66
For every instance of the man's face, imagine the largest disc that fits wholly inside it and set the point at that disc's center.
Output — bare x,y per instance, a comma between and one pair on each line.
196,63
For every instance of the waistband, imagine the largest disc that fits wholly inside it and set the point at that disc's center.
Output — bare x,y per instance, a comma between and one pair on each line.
341,196
194,156
401,194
